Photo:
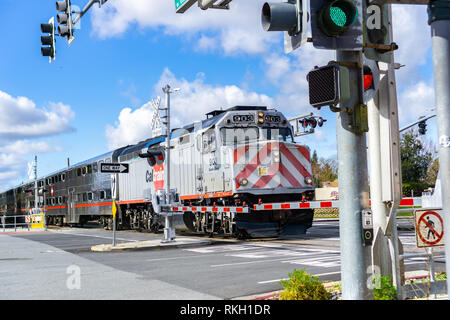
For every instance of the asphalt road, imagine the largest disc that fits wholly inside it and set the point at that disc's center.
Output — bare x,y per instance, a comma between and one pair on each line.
59,264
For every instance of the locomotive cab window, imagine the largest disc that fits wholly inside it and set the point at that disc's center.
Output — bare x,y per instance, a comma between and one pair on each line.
279,134
234,136
209,141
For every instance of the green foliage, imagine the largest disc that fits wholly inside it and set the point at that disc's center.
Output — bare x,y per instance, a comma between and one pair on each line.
416,159
324,170
384,290
441,276
413,188
303,286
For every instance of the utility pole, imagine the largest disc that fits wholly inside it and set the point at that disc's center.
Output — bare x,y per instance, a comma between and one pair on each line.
439,20
169,233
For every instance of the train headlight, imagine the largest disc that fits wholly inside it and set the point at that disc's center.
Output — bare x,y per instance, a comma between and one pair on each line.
260,114
308,180
261,120
243,182
276,156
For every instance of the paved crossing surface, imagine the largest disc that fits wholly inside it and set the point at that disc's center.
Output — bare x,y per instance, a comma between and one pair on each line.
225,269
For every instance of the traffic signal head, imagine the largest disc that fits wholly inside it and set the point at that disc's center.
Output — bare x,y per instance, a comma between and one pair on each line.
48,41
328,85
337,16
371,79
337,24
280,17
422,127
64,18
376,31
290,17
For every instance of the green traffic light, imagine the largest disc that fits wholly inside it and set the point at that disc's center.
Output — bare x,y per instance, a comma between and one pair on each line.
337,16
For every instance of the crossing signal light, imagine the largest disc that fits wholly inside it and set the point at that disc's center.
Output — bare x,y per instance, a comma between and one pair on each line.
290,17
328,85
64,18
371,79
422,127
337,24
48,41
154,156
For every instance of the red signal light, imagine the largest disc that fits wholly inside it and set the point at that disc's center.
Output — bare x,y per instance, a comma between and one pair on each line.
368,80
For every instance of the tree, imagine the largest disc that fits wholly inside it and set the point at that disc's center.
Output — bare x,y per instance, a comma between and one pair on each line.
324,170
416,160
315,169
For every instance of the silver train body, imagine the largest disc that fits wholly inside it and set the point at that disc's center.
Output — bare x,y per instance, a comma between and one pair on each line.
236,157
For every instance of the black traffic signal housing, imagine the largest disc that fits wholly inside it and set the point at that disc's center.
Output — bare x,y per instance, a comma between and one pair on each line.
328,85
291,17
376,31
422,127
48,41
154,156
64,18
337,24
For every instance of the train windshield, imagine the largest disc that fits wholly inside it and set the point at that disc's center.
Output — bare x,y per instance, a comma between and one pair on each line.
234,136
279,134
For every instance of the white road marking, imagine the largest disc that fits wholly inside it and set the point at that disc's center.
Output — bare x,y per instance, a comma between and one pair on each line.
317,275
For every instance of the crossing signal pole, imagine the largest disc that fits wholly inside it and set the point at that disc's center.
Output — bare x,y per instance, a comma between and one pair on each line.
439,21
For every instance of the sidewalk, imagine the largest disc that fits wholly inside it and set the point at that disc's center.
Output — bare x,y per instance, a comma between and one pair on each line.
179,242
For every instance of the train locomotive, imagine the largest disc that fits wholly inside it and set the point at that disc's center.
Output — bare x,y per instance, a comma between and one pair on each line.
237,157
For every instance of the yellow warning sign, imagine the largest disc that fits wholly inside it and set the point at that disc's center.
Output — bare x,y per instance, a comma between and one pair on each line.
114,209
37,221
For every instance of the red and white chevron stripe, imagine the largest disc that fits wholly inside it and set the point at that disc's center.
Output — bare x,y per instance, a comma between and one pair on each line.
272,165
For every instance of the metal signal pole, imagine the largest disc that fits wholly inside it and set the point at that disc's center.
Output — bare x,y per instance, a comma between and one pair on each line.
169,234
439,20
353,187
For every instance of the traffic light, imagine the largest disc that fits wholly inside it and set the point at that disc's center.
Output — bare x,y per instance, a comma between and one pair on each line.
290,17
376,31
154,156
371,79
337,24
422,127
64,18
328,85
320,121
48,41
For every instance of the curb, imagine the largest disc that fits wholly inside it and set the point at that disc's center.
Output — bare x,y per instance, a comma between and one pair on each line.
148,245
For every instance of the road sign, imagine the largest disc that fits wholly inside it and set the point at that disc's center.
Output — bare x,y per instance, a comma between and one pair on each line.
429,227
114,168
182,5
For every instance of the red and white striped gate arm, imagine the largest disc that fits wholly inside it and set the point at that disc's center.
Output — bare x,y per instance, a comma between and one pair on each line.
211,209
407,202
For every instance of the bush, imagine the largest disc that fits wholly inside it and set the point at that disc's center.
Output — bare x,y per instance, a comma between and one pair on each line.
386,291
303,286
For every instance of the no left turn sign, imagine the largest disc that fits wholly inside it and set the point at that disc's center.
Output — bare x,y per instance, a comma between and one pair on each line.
429,227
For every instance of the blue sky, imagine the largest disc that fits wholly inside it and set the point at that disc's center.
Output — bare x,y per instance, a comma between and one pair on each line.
95,95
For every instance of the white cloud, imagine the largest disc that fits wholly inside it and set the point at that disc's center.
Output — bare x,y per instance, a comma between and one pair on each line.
22,121
414,101
235,30
195,99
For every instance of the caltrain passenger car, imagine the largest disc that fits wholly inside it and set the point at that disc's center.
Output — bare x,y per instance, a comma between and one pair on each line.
241,156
